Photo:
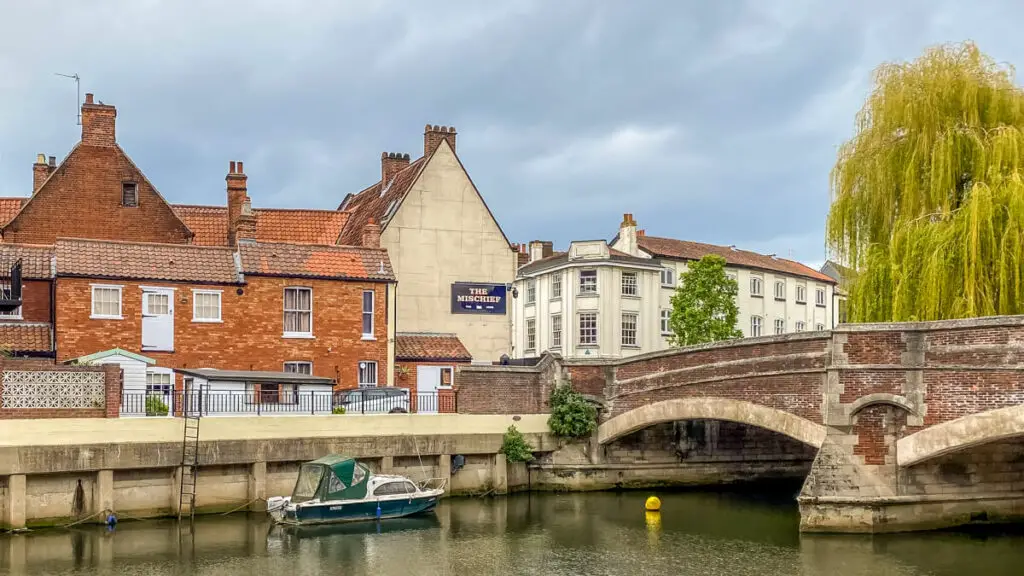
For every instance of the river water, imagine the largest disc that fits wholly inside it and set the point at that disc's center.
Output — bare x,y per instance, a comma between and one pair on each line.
709,533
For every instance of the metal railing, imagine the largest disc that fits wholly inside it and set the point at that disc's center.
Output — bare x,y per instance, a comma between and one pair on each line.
231,403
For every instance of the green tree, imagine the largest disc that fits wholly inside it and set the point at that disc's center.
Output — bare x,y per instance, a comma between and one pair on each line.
704,304
928,195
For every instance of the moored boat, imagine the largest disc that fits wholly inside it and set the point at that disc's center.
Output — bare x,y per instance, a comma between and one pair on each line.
337,488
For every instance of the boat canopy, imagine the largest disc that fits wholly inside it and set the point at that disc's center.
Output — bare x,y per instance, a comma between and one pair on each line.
333,477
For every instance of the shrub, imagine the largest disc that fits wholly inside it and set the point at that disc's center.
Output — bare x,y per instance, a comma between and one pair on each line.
571,415
515,447
155,406
338,410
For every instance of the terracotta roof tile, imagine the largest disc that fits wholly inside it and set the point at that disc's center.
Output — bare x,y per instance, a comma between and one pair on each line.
307,260
25,336
686,250
138,260
36,261
9,207
295,226
430,346
372,203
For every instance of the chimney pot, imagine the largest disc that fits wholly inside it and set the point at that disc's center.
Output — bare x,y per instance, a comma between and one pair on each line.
53,162
88,98
241,170
40,158
231,167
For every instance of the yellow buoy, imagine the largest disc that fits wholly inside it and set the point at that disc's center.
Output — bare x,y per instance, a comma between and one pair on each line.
653,504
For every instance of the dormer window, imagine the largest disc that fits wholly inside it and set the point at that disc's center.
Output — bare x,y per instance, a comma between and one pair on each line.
129,195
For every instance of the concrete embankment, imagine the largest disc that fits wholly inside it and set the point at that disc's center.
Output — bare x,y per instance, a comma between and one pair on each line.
131,466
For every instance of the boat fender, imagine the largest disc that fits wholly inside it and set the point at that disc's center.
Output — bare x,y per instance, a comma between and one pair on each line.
111,519
378,509
458,461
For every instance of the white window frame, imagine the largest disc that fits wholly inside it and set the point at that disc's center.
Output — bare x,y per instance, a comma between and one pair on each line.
668,277
801,326
757,286
285,311
362,305
556,331
780,326
556,285
579,329
531,291
580,284
636,329
120,302
820,297
756,326
296,364
780,294
634,285
666,317
16,314
531,334
359,373
801,294
220,305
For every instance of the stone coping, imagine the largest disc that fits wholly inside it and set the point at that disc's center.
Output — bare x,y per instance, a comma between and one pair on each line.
985,322
909,498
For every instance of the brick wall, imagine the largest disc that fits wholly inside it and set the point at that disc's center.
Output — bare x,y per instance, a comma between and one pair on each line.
112,385
248,338
35,301
82,199
705,441
405,377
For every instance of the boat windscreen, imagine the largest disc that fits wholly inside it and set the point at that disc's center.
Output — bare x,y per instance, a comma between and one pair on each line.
308,482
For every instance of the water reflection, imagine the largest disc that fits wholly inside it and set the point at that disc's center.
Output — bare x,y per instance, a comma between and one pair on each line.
733,533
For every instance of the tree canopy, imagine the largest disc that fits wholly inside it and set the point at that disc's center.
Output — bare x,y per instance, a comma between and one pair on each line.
928,195
704,304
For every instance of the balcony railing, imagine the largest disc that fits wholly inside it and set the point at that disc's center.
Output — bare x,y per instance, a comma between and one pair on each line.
239,403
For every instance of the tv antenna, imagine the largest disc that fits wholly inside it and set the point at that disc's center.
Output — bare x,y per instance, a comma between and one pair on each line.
78,90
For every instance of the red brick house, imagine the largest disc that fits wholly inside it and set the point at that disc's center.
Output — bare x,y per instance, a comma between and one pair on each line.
108,263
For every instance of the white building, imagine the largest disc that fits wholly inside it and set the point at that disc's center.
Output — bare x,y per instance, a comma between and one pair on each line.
612,301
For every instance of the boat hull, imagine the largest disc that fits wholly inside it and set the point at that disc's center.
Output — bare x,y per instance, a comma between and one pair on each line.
355,510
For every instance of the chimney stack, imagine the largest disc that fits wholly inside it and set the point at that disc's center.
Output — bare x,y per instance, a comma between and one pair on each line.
40,172
237,199
540,249
627,236
371,234
432,136
98,123
245,228
392,163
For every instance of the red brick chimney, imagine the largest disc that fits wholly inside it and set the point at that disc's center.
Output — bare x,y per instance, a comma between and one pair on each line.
237,198
98,123
371,234
392,163
245,227
432,136
40,172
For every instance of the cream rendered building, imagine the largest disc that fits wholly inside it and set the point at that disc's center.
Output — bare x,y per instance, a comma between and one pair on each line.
452,260
588,302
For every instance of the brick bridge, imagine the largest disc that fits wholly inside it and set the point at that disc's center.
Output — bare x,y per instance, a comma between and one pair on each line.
917,425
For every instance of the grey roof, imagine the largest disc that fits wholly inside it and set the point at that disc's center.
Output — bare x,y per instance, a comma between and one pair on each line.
214,375
562,258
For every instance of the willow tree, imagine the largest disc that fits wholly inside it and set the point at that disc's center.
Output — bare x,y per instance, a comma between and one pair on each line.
928,196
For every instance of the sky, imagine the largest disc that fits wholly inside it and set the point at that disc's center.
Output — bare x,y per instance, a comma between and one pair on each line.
710,121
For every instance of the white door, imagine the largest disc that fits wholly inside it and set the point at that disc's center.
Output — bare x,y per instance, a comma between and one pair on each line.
158,319
428,379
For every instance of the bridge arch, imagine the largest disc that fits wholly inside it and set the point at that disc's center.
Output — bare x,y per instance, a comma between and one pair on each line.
882,398
712,409
965,432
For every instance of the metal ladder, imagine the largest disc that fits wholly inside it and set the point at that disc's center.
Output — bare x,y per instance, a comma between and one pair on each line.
189,457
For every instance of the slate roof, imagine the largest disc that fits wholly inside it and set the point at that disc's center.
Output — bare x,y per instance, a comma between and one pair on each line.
313,261
430,346
372,203
25,336
145,261
686,250
36,261
299,226
559,258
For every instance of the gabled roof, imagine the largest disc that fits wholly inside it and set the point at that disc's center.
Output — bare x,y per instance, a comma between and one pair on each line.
115,352
314,261
36,261
686,250
298,226
25,336
9,207
378,201
430,346
145,261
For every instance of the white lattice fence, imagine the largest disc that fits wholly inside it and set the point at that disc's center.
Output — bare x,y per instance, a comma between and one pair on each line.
54,389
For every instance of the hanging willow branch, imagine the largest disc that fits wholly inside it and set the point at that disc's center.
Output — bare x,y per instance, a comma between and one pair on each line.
928,196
